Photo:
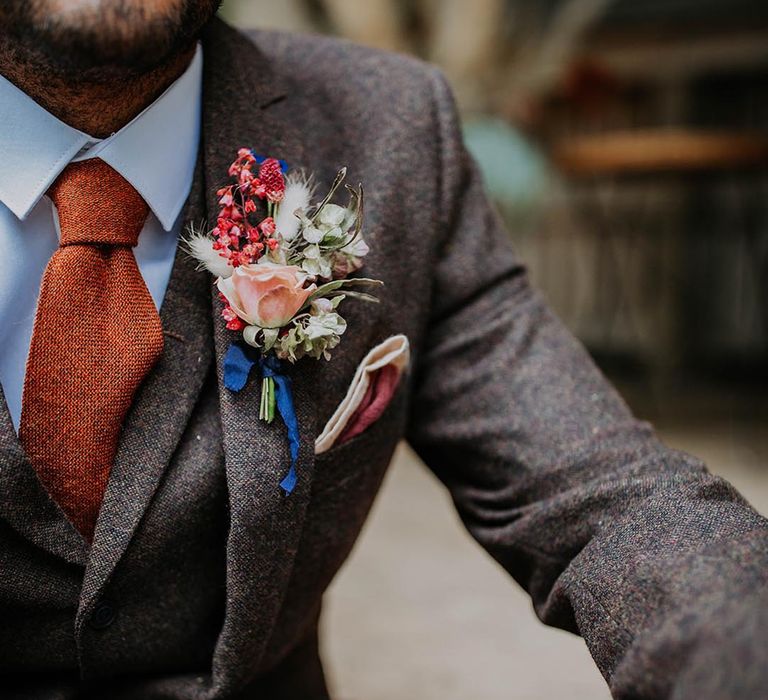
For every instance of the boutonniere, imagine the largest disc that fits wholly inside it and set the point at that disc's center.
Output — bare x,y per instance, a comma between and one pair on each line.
282,271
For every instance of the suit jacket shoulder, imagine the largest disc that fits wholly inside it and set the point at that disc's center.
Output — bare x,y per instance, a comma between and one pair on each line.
342,70
390,102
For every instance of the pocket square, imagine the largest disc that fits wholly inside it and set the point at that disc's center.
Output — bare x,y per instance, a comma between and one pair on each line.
371,390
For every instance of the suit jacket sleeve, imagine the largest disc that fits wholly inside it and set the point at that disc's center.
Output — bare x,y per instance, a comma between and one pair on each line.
658,564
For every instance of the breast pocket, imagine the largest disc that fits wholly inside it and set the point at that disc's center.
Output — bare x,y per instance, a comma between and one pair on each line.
344,485
357,466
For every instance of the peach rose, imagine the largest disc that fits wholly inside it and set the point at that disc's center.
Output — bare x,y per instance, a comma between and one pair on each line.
266,295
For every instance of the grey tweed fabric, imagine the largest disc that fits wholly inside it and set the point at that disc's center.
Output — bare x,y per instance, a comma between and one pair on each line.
205,582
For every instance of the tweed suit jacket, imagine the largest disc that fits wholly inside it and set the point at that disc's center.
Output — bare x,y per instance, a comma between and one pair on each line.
205,581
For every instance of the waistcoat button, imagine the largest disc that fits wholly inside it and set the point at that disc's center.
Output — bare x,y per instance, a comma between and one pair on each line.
103,615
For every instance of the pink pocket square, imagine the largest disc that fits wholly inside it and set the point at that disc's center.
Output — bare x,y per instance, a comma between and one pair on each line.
371,390
379,393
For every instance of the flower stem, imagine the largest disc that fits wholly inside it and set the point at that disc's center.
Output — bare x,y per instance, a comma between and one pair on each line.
271,402
263,401
267,402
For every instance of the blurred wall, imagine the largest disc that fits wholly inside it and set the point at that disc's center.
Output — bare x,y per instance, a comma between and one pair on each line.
661,267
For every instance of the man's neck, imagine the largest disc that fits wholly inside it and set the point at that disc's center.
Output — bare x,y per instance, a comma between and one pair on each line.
98,109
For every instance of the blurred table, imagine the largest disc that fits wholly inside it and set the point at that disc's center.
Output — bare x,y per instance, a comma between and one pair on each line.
659,151
657,165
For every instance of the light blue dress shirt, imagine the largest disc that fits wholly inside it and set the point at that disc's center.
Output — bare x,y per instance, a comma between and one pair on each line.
155,152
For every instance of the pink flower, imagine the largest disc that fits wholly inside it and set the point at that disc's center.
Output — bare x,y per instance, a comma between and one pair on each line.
245,176
272,180
258,189
266,295
244,160
267,226
234,323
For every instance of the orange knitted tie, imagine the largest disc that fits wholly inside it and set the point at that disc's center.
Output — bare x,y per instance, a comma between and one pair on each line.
96,336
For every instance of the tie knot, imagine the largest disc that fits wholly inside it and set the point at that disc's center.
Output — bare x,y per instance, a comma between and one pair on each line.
97,205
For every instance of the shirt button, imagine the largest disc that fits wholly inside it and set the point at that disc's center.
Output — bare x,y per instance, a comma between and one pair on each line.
103,615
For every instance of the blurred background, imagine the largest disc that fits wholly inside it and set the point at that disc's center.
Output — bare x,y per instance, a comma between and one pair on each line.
626,144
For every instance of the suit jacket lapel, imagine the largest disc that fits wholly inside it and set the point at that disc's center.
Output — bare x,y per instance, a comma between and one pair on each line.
160,412
265,524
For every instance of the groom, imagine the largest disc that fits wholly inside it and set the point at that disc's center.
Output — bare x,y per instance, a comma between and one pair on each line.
146,550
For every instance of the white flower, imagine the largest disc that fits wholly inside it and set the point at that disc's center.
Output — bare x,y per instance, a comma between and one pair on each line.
321,306
332,215
298,194
200,246
315,263
358,248
329,324
333,234
312,252
312,234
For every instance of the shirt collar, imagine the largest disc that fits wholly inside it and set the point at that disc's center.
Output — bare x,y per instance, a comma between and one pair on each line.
155,151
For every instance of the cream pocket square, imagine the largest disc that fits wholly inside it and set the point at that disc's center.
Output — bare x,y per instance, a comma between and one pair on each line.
372,388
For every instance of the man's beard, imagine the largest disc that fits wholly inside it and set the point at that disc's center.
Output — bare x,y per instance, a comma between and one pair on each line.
100,41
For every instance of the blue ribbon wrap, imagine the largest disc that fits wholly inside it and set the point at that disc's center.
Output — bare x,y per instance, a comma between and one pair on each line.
260,159
238,363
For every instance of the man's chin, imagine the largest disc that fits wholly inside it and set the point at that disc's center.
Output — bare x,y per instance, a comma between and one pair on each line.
90,62
102,41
